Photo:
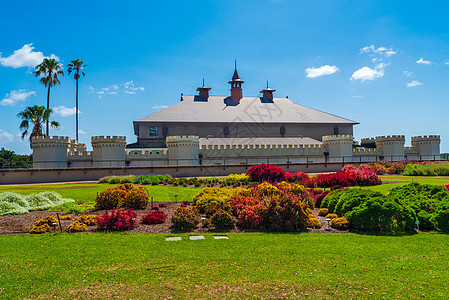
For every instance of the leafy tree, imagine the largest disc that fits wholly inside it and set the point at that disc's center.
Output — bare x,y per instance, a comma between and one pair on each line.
35,116
49,70
76,66
9,158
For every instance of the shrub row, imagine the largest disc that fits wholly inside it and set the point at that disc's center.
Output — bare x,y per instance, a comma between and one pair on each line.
397,211
124,195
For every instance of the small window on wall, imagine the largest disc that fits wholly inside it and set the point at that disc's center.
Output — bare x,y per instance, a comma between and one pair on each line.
153,131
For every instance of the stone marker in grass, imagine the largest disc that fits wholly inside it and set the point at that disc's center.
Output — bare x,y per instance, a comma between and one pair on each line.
173,238
196,237
221,237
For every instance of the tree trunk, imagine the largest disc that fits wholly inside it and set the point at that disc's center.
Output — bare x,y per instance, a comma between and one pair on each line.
76,111
48,106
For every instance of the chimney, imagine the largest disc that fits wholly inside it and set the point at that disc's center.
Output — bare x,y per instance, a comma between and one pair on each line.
204,91
267,93
236,85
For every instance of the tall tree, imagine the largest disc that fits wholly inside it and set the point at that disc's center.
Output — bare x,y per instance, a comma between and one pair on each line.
35,116
49,70
76,67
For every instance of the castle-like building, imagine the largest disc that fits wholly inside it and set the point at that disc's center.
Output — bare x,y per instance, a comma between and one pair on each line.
232,130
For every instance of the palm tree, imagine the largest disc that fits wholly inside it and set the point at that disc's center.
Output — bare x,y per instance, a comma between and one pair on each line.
76,66
35,116
49,69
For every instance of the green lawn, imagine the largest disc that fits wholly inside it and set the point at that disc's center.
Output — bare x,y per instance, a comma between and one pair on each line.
84,194
403,180
249,265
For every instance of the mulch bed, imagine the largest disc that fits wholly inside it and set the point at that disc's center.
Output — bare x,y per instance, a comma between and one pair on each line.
16,224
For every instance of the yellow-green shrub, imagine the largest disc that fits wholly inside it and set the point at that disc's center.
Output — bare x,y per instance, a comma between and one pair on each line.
43,228
313,222
65,218
124,195
309,211
323,212
340,223
89,220
331,216
212,199
76,226
49,220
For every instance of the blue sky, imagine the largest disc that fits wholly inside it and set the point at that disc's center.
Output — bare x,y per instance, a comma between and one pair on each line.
384,64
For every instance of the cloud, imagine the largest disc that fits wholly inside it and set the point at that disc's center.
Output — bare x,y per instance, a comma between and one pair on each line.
126,87
16,96
387,52
81,131
159,106
446,63
24,57
367,73
321,71
5,137
64,111
423,61
408,73
414,83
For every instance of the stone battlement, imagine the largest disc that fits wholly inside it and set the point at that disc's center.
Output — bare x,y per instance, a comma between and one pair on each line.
51,138
391,137
135,154
426,138
260,147
339,137
368,140
364,150
108,139
182,138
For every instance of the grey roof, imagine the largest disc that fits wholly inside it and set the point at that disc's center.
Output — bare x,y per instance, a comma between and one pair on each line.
248,110
259,141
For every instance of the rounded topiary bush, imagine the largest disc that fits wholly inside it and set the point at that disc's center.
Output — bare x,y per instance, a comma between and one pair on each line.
323,212
76,226
331,216
340,223
136,198
313,223
110,198
89,220
185,218
222,220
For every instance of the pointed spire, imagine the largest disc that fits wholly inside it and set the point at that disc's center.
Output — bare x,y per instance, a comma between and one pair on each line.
236,84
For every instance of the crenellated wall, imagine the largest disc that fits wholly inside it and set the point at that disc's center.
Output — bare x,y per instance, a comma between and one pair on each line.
108,151
338,145
427,147
62,152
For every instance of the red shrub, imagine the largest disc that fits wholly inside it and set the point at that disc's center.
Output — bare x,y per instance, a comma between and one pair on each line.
447,186
338,178
154,217
299,178
186,203
119,220
266,172
317,196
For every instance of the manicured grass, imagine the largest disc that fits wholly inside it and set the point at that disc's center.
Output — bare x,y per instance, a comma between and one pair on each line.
84,194
403,180
249,265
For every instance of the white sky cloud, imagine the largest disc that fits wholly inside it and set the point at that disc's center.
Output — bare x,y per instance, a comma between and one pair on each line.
5,137
16,96
80,131
387,52
414,83
423,61
321,71
408,73
64,111
367,73
446,63
24,57
126,87
159,106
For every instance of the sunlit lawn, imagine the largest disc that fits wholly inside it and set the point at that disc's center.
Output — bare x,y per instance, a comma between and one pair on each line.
248,265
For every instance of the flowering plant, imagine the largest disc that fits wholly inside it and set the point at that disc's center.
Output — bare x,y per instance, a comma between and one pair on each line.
119,220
